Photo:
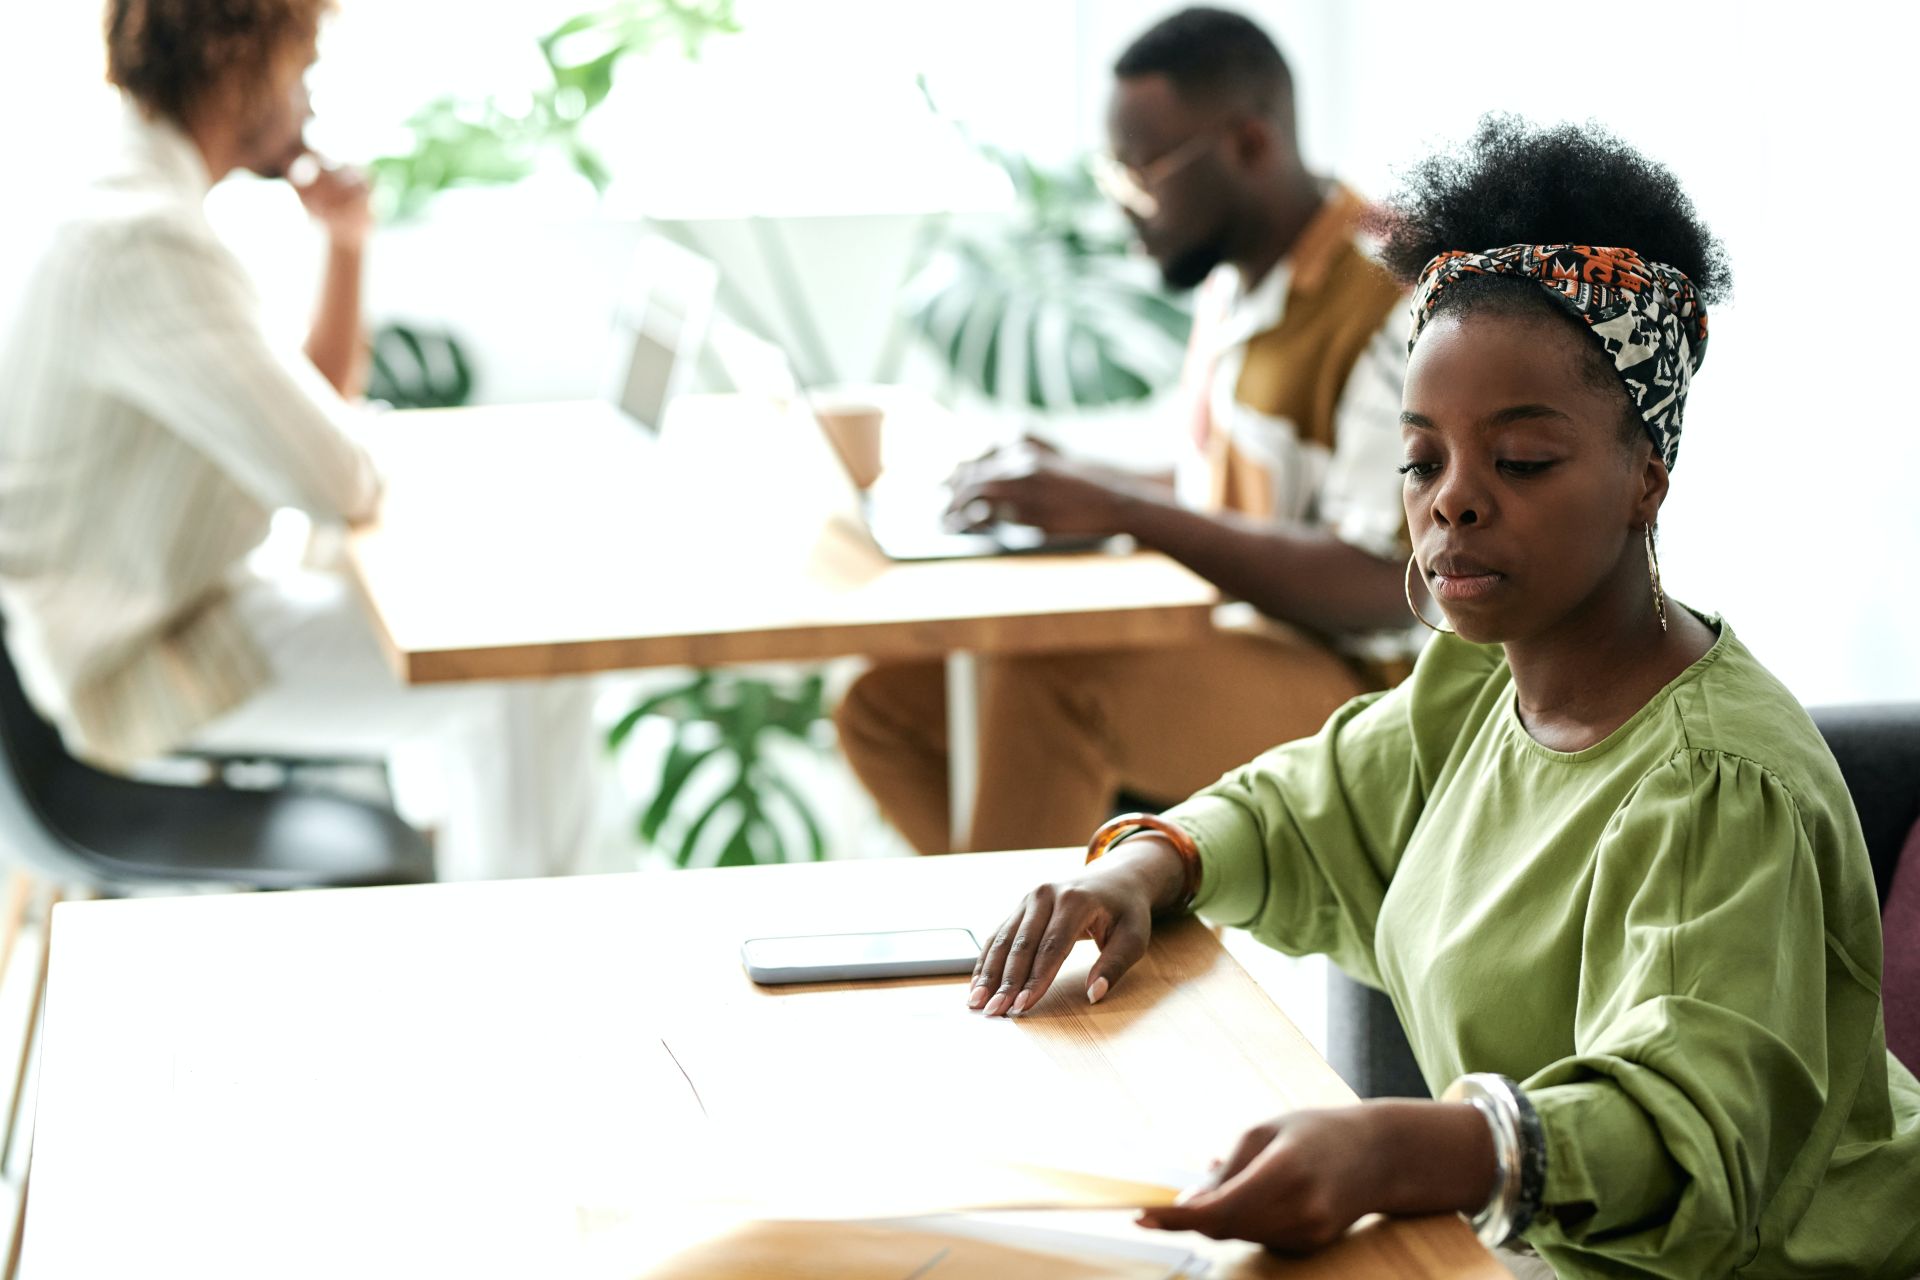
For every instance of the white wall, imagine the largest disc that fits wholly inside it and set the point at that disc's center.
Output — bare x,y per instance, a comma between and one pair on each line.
1796,504
1793,508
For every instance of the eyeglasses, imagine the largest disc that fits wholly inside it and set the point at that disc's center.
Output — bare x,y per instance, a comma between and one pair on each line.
1132,188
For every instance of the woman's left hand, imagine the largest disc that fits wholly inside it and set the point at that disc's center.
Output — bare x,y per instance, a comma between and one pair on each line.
1297,1183
1293,1184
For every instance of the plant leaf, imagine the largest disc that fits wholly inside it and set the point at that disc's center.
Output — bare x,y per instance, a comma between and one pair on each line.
797,714
658,704
680,765
590,166
738,850
458,142
417,367
690,842
1052,311
816,838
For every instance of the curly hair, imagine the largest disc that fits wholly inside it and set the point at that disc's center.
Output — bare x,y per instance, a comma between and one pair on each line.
1563,184
1512,183
169,54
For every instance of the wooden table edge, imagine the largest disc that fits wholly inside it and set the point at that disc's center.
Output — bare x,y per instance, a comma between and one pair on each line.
1092,631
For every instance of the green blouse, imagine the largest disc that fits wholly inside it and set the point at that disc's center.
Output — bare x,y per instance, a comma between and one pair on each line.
1671,939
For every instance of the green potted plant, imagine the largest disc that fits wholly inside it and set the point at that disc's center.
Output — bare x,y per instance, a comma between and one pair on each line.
498,140
1051,311
722,721
722,798
418,367
486,141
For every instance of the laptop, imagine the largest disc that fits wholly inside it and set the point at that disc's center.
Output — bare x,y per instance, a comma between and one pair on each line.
905,513
660,324
909,521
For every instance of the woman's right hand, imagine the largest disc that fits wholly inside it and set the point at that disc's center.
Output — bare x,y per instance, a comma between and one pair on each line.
1112,902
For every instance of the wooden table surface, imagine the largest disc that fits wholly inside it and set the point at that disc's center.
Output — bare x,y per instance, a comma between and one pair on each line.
470,1080
531,540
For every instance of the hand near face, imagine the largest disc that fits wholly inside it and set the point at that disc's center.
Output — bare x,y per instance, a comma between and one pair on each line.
1030,483
337,197
1293,1184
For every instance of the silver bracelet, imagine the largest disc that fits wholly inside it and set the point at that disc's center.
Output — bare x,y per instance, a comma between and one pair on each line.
1519,1153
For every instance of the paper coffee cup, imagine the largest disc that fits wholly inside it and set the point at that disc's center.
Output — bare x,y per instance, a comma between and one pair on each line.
853,427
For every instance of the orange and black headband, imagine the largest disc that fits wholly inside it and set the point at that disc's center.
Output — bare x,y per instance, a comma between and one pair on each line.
1646,315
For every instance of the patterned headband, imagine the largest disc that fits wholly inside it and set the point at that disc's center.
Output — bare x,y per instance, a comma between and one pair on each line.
1645,314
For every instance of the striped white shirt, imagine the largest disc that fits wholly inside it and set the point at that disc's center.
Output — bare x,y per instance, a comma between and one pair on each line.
148,429
1353,488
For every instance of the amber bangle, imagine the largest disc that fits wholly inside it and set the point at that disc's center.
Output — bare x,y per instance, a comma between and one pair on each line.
1114,830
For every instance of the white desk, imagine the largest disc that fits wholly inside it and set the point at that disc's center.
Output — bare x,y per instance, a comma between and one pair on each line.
461,1080
533,540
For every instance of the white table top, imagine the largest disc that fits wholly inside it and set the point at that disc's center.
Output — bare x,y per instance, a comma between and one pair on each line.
530,540
472,1079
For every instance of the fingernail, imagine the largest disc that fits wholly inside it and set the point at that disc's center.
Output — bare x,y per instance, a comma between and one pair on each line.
977,996
995,1005
1097,992
1021,1001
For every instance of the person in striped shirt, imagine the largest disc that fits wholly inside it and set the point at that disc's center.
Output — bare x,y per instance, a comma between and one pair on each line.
152,428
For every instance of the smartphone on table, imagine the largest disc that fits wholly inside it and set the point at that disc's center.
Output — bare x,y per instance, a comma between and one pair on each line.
854,957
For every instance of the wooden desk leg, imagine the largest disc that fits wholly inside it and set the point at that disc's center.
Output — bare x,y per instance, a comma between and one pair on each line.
36,1009
963,743
19,894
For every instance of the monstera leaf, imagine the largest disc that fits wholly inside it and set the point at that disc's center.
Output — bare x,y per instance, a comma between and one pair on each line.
1054,313
419,367
721,725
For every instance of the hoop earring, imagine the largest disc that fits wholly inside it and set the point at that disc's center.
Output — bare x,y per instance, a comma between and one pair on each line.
1653,575
1445,631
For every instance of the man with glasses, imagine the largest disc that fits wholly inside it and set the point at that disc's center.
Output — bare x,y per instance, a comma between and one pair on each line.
1287,494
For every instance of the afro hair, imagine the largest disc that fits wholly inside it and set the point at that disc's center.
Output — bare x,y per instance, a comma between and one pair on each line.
1563,184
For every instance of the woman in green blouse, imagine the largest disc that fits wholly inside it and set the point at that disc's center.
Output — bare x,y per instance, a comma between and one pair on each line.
1591,846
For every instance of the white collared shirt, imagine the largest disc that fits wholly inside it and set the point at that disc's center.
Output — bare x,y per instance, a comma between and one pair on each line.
147,432
1353,489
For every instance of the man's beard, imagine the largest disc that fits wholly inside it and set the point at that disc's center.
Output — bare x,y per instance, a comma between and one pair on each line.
1186,269
276,166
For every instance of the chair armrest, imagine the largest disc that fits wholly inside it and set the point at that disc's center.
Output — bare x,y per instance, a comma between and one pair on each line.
1365,1042
1878,750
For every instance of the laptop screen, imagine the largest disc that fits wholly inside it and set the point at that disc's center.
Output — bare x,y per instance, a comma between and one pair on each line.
660,324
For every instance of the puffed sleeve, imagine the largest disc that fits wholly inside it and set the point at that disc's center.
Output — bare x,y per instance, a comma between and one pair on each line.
1298,847
1704,1088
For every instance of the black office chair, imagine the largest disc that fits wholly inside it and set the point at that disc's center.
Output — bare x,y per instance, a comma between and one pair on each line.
79,825
1878,750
